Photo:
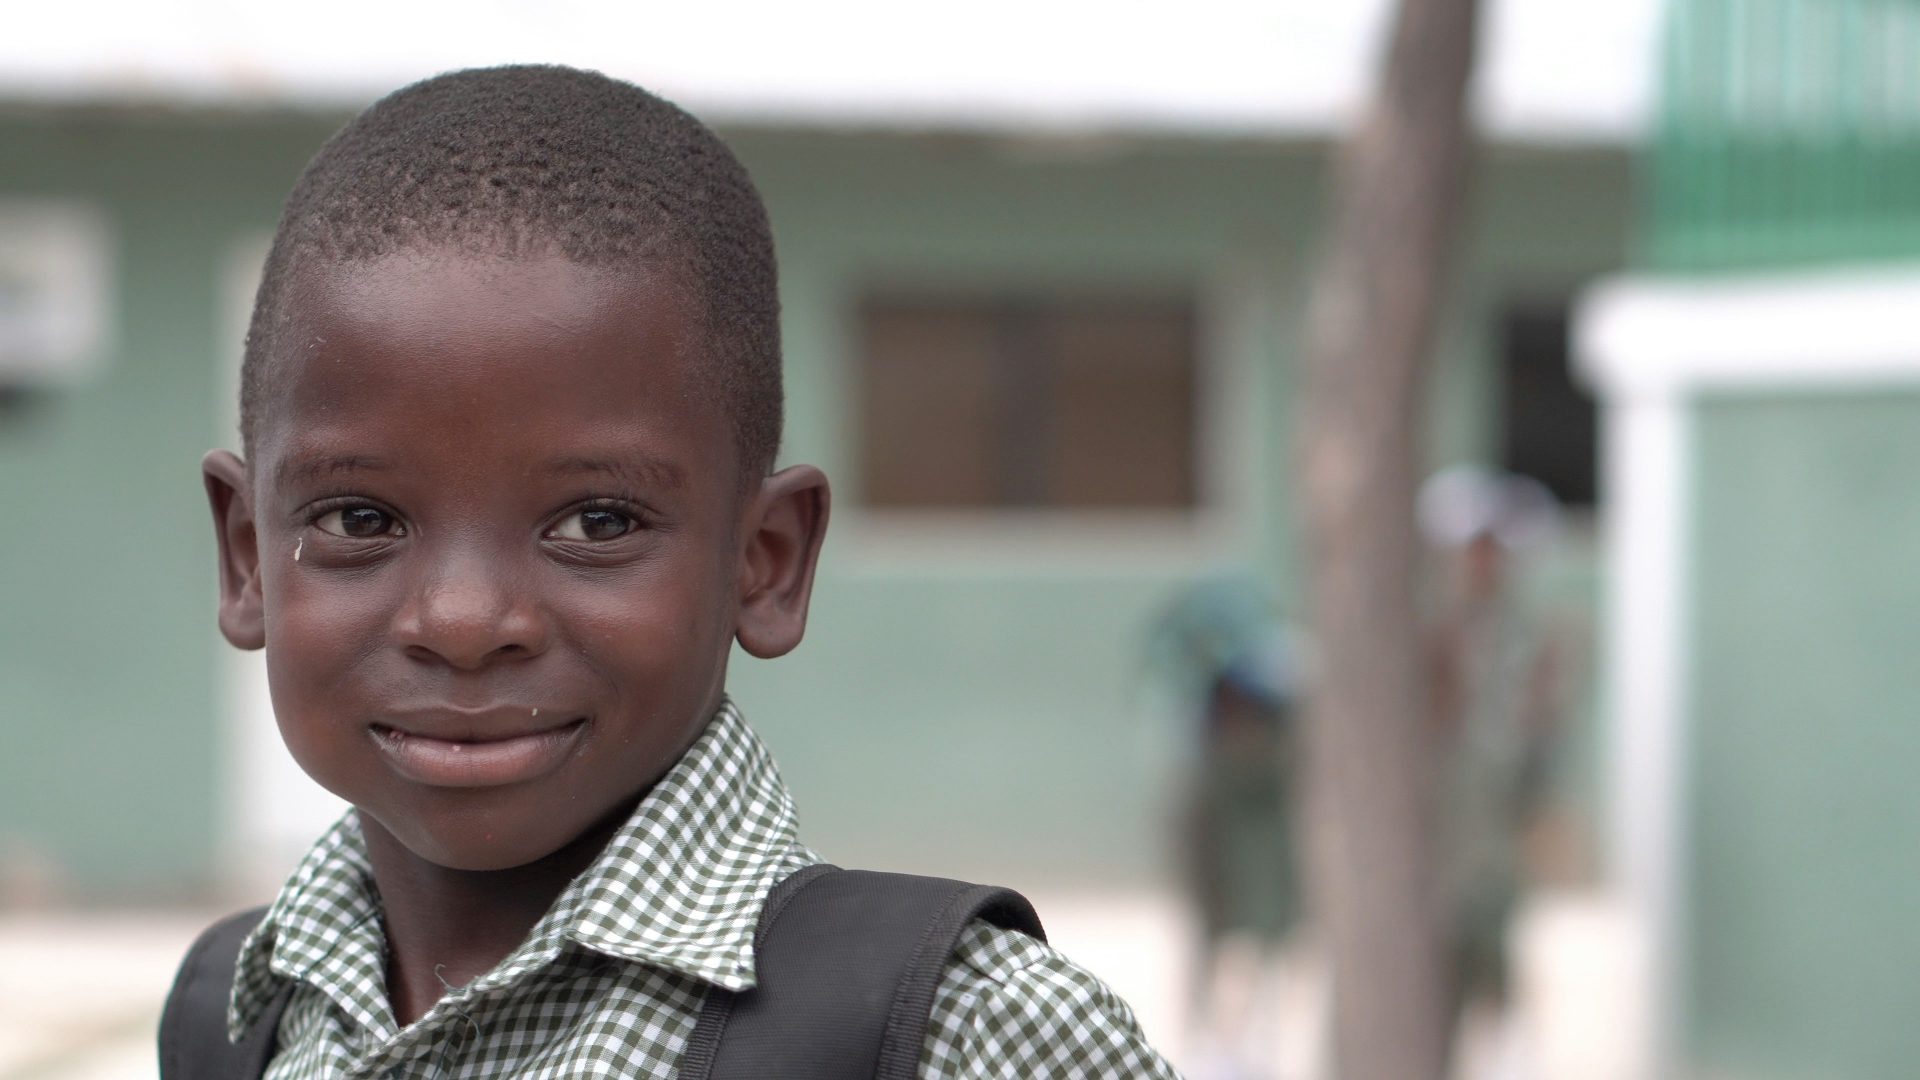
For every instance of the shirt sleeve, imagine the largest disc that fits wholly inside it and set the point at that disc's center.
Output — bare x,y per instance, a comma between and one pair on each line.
1011,1008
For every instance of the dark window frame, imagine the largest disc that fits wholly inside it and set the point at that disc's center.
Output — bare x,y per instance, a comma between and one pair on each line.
1034,353
1547,420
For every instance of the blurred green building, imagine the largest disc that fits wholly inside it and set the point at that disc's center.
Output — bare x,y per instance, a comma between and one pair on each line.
1049,376
1761,380
1047,363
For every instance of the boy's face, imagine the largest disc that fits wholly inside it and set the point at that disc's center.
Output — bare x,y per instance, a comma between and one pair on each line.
497,548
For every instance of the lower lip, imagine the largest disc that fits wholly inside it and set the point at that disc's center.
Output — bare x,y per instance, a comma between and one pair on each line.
444,763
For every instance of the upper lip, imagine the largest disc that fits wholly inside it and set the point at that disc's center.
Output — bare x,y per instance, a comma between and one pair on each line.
492,724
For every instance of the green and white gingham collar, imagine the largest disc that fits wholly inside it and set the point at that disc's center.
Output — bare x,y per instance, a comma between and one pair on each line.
680,886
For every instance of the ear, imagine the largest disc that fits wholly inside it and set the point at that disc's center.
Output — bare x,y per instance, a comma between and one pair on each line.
242,619
784,525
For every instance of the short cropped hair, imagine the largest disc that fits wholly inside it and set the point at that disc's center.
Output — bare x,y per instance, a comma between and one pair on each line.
528,158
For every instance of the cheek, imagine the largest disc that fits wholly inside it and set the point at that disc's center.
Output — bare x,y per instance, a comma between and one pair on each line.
319,630
318,621
661,630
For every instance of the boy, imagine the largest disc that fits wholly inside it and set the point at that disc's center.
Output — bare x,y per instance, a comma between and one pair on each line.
510,401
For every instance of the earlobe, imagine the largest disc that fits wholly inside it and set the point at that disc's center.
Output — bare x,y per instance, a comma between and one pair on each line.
242,616
783,532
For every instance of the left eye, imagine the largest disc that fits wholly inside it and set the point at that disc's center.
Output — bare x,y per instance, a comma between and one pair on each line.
594,525
359,522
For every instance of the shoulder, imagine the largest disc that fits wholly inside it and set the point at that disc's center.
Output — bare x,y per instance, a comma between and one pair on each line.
1011,1006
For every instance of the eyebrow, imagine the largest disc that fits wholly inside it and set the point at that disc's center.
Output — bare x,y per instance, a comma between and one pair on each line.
640,472
299,471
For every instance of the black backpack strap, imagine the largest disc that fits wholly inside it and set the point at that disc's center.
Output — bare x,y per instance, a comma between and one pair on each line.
193,1027
847,963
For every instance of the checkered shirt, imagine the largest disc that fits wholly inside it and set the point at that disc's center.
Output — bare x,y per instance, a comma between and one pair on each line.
610,982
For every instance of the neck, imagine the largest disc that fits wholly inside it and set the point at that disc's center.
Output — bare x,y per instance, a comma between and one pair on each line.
447,927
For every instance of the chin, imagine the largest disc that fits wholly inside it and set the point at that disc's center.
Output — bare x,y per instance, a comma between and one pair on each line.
475,840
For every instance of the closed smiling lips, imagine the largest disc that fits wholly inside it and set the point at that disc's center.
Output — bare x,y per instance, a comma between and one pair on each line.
472,749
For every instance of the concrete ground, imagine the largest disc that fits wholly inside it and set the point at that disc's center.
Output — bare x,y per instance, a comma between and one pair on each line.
80,994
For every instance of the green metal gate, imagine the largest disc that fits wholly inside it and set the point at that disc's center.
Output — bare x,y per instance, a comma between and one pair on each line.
1789,134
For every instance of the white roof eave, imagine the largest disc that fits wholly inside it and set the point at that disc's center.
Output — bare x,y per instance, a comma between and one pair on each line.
1551,71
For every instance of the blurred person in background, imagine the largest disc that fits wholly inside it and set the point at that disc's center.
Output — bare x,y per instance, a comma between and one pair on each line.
1235,842
1496,699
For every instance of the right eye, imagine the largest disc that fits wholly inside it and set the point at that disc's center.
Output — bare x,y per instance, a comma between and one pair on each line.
359,522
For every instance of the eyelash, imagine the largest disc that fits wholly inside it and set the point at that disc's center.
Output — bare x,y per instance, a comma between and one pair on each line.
318,512
625,505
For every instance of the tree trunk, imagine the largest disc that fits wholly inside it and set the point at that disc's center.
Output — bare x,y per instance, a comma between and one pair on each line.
1371,769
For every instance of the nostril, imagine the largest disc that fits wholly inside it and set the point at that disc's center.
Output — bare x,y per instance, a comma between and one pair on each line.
467,654
470,622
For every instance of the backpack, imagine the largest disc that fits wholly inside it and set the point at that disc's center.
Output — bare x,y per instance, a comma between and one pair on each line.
847,960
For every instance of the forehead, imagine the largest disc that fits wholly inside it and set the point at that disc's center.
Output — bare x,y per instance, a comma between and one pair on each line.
438,350
450,296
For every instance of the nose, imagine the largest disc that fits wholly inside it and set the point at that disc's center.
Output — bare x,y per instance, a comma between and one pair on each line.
468,615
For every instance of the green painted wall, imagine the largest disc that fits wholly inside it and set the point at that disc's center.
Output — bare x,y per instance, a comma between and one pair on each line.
1802,880
969,705
1002,689
107,676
